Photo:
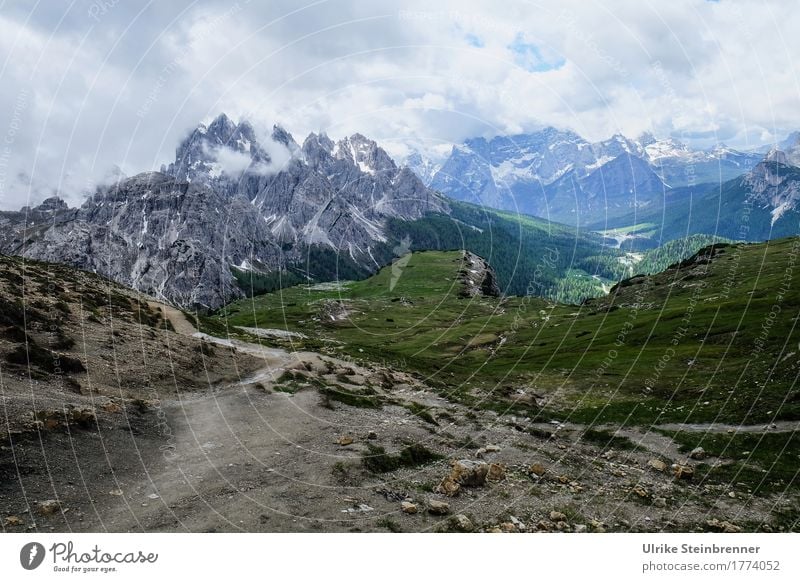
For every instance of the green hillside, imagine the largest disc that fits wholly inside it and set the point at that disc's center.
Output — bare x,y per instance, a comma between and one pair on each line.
712,209
661,258
696,343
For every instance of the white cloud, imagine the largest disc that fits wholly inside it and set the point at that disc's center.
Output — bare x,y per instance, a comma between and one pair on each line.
229,160
234,163
123,86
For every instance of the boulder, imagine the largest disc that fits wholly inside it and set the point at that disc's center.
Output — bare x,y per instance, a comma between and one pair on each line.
436,507
449,487
408,507
684,472
462,523
497,472
469,473
537,469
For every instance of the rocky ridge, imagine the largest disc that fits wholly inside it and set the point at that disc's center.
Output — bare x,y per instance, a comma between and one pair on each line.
228,202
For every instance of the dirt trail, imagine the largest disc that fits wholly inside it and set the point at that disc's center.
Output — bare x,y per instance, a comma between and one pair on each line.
715,428
175,316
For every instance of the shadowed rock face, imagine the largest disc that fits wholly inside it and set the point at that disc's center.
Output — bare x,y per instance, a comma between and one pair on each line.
172,240
177,235
478,277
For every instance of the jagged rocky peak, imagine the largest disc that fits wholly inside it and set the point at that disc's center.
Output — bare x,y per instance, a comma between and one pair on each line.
775,182
317,145
646,138
364,153
223,149
787,153
283,137
776,156
51,205
478,277
221,130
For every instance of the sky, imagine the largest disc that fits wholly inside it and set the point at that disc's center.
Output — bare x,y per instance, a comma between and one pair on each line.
88,86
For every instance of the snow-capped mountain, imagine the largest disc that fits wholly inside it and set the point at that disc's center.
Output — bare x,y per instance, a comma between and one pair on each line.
422,165
226,203
762,204
558,174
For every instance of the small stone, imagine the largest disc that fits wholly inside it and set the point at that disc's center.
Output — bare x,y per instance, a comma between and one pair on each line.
579,528
408,507
344,440
153,496
508,527
111,407
597,525
557,516
13,521
115,492
659,501
436,507
698,453
497,472
481,452
372,435
723,526
462,523
49,507
563,479
683,472
641,491
657,464
537,469
732,494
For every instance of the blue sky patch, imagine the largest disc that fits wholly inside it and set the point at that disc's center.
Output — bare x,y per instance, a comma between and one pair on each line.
532,58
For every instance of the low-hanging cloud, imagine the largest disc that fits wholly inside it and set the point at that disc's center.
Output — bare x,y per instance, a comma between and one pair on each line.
235,163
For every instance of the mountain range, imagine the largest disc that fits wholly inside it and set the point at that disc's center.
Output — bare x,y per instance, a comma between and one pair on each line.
759,205
236,214
559,175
